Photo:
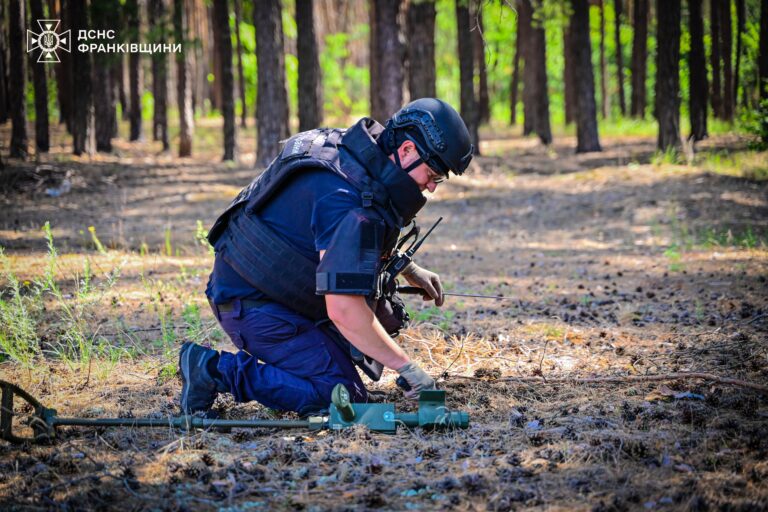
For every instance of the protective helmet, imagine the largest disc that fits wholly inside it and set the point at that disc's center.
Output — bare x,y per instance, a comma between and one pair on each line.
438,132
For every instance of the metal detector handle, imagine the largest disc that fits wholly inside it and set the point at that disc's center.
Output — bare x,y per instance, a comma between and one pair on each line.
40,422
411,290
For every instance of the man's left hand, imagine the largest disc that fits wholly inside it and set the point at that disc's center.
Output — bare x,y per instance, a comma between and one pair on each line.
425,279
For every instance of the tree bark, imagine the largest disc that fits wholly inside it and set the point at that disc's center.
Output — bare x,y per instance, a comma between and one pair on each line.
310,83
478,43
584,82
17,25
134,72
668,73
226,79
240,75
715,59
762,61
421,49
468,102
726,45
64,72
183,80
762,66
272,98
617,4
4,88
604,100
697,64
387,89
535,75
40,81
118,81
214,56
568,77
524,20
83,129
102,12
160,76
740,29
639,58
515,85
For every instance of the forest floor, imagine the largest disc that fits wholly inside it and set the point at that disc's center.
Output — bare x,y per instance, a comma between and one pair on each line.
615,264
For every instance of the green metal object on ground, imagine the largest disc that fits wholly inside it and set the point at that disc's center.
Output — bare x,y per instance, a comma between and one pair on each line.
432,414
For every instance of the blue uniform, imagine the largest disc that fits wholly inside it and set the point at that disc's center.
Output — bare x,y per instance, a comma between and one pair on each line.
285,360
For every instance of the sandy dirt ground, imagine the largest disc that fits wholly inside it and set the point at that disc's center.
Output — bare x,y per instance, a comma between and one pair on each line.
609,265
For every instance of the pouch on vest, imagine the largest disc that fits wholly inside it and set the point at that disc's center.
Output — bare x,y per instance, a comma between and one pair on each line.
351,262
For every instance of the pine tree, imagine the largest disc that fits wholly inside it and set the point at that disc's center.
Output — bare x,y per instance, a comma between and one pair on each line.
227,79
272,98
584,80
668,73
310,84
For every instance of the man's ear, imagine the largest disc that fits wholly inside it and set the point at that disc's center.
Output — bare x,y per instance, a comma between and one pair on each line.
407,147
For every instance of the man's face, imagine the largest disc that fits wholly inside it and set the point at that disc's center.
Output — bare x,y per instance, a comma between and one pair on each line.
425,178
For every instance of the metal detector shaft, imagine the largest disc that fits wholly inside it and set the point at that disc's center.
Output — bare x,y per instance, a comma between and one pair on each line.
183,422
432,414
415,290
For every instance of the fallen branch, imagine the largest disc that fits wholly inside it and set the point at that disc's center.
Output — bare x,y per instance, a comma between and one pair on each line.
626,379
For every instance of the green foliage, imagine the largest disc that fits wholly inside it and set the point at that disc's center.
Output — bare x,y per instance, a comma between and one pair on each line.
201,236
18,327
345,84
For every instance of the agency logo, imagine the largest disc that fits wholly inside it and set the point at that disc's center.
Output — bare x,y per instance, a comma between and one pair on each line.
48,40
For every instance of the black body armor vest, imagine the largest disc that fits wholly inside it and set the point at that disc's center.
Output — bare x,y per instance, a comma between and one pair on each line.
270,264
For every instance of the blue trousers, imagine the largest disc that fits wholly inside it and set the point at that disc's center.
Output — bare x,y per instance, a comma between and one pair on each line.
285,361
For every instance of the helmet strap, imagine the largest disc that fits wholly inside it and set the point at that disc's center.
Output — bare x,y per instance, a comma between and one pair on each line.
411,167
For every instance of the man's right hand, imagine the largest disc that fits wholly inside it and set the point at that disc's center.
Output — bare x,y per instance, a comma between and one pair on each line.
416,378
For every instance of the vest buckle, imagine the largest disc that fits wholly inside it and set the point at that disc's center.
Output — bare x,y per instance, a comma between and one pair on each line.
367,199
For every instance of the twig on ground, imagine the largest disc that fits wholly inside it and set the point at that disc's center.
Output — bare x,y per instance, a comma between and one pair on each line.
627,379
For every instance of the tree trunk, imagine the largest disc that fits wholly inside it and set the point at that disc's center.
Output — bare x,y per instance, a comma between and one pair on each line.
726,45
40,81
639,58
535,77
4,89
118,82
762,66
216,94
16,40
469,110
387,89
272,98
310,84
605,106
740,29
762,61
524,20
584,80
226,79
64,72
83,129
160,75
478,43
568,77
134,71
183,80
102,14
697,64
714,27
515,86
240,75
668,73
421,49
617,4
